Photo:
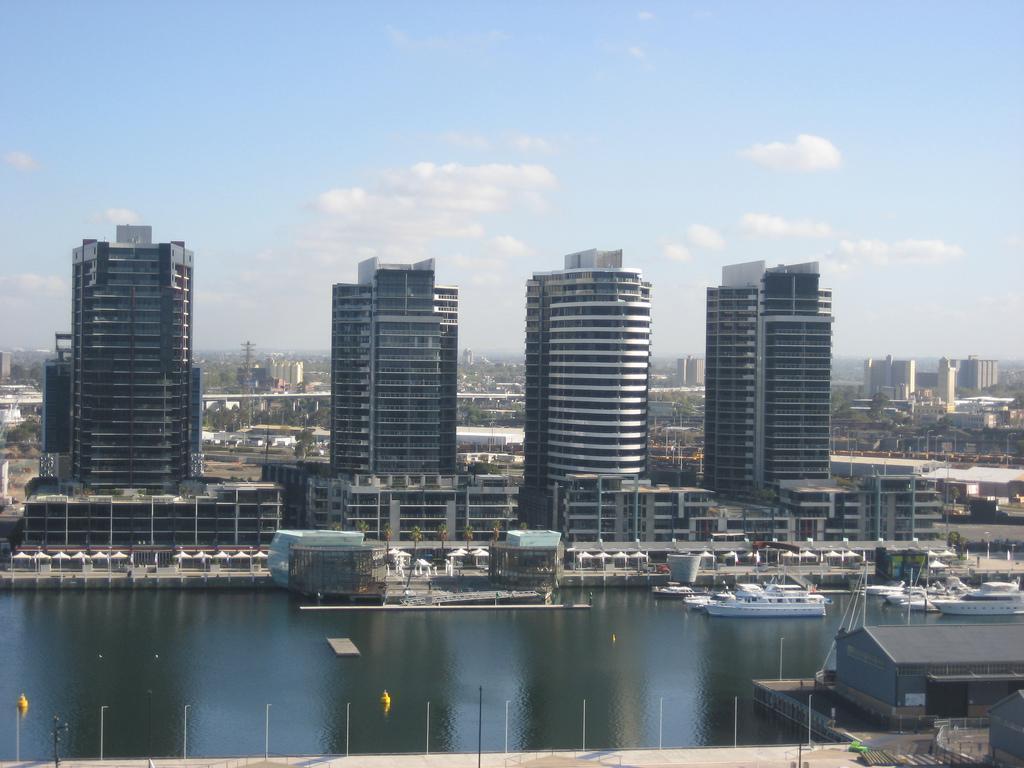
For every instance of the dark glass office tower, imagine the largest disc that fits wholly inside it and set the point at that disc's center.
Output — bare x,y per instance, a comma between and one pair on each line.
767,377
588,329
394,345
131,362
56,424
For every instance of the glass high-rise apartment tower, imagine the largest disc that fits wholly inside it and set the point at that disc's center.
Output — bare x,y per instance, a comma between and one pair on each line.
394,347
131,362
588,329
767,377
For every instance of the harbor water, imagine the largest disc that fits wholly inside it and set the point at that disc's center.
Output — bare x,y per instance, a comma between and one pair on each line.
645,667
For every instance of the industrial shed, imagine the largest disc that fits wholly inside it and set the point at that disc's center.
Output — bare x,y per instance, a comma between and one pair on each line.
899,673
1006,730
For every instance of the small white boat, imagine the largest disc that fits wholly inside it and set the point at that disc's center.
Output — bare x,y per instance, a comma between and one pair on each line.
673,590
881,590
697,602
993,598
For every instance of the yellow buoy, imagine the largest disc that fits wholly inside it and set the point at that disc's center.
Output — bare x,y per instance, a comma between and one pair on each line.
22,704
613,637
385,701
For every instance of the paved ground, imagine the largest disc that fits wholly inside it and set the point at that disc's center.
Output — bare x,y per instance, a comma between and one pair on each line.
743,757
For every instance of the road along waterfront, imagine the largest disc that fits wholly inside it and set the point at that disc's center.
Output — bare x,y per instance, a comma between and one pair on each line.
644,667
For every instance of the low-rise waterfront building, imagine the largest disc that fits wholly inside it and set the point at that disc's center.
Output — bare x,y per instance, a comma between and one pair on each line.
225,514
331,564
1006,731
532,559
901,672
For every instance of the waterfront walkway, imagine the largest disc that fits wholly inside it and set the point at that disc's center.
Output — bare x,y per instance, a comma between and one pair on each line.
712,757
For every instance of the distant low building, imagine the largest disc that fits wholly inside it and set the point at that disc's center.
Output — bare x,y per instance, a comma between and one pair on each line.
1006,731
530,559
330,564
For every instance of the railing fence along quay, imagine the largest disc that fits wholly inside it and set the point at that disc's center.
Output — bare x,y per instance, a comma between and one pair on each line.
764,756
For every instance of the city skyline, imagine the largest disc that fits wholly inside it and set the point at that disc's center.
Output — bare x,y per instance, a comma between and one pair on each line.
395,148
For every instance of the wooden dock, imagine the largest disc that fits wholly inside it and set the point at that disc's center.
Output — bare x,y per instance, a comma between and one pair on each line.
442,607
342,646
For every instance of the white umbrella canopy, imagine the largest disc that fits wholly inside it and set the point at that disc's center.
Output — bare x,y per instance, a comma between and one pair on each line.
730,555
42,556
201,556
22,556
62,556
947,553
808,555
937,565
119,556
790,555
638,555
396,551
241,556
260,556
480,552
100,556
851,553
602,555
222,556
585,556
81,557
623,555
182,556
460,552
705,553
832,553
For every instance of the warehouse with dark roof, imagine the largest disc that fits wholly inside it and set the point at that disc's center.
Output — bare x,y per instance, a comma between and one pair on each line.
902,672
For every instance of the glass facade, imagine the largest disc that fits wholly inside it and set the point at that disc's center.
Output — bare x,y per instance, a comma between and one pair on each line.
131,363
393,372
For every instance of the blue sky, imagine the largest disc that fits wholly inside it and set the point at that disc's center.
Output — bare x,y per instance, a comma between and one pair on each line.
284,142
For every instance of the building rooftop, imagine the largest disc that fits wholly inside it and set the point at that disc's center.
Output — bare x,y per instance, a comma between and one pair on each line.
979,474
950,643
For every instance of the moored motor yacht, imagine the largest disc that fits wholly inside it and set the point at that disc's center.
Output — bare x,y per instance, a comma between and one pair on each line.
774,600
992,598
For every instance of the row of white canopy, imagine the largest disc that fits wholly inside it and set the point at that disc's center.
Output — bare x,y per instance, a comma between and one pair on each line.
583,555
480,552
82,556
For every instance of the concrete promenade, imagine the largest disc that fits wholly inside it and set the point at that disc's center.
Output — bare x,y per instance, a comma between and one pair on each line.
743,757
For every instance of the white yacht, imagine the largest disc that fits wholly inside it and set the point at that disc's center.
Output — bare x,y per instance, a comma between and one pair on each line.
881,590
993,598
673,590
774,600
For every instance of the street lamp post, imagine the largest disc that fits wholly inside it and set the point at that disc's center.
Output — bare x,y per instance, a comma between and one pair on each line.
266,734
149,726
103,709
184,736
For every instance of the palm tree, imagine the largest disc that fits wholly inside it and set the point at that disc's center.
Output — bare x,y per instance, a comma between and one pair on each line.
362,526
386,530
468,533
442,535
417,536
496,530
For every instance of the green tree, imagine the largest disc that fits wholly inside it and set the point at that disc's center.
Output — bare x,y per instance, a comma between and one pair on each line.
442,536
386,531
468,534
303,443
496,530
362,526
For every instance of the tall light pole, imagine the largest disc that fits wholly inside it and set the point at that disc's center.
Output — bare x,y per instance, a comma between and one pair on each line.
266,734
184,736
149,727
103,709
780,656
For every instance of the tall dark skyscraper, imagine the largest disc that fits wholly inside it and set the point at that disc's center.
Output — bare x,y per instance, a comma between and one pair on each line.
394,364
56,424
588,330
767,377
131,362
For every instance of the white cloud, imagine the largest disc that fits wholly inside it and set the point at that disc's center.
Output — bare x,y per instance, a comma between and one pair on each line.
807,153
507,245
852,253
120,216
645,16
410,207
637,52
29,285
528,144
766,225
21,161
703,236
676,252
466,140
